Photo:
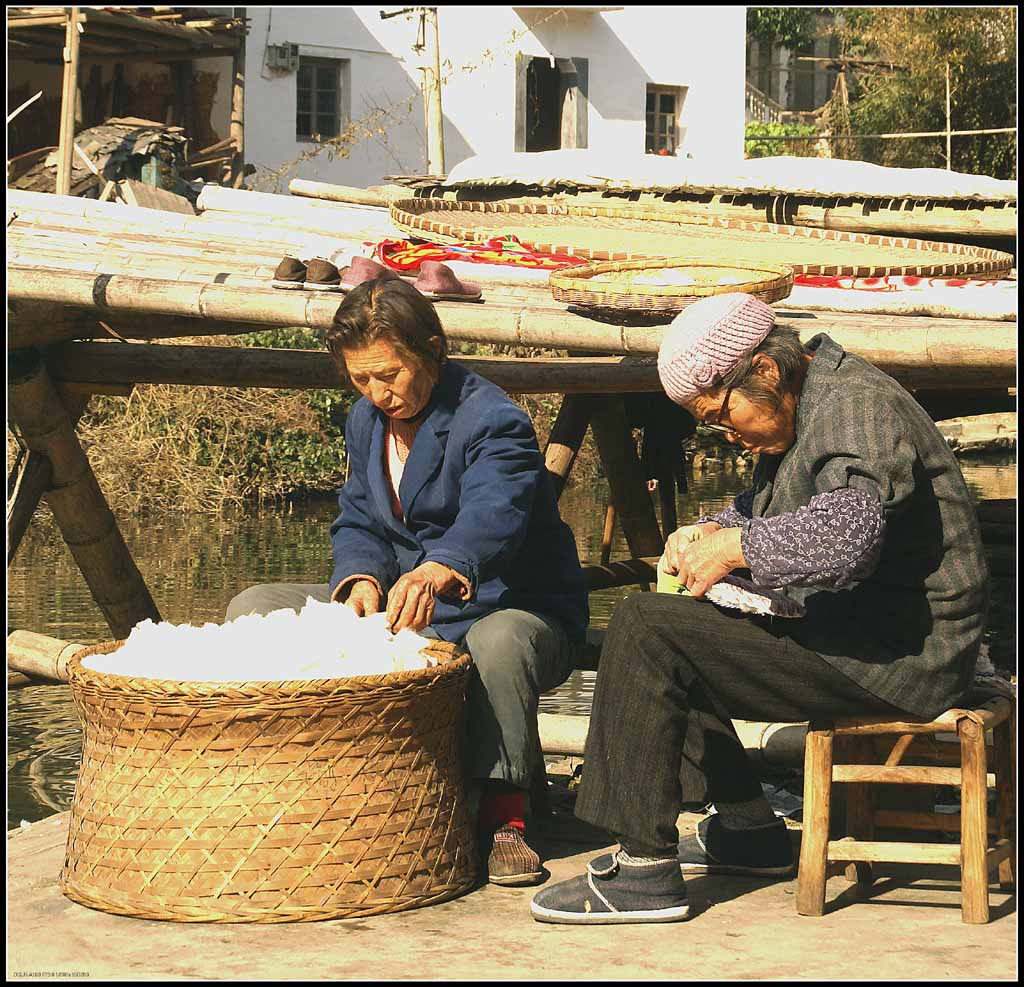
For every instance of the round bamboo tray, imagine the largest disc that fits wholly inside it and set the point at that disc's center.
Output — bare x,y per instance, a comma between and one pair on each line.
622,284
606,233
269,801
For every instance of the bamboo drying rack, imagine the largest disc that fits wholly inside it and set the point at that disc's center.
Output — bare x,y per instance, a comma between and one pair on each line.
804,249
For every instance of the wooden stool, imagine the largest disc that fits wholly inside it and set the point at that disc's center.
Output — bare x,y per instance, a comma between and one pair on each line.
858,849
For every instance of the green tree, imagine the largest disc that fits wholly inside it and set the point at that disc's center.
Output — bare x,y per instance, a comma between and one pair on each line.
790,27
979,43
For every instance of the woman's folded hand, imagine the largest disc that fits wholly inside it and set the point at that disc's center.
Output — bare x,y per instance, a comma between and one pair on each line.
703,561
681,538
413,597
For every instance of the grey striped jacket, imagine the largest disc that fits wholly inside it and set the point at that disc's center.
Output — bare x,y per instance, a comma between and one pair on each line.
911,631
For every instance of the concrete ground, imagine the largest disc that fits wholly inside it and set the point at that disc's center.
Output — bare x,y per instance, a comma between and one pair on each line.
907,928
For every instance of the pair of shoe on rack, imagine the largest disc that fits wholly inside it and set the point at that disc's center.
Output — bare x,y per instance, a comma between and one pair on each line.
435,281
619,889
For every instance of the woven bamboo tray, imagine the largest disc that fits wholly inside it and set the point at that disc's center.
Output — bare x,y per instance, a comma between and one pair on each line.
606,233
620,285
269,802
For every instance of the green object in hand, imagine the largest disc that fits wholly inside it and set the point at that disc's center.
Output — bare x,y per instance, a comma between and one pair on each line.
668,583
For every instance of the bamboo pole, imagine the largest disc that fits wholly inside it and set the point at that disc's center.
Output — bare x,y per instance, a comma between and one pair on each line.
626,481
40,656
336,193
78,505
67,103
236,173
435,115
236,366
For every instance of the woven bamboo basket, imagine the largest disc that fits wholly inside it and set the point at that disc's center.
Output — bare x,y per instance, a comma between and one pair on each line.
614,233
269,801
621,285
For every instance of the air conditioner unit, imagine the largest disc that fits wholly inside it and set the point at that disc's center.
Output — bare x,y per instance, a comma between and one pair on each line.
284,58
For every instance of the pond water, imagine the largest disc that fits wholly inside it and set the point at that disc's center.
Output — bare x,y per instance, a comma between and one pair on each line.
195,564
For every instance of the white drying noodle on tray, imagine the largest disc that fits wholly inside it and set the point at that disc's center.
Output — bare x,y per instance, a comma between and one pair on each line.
323,640
738,599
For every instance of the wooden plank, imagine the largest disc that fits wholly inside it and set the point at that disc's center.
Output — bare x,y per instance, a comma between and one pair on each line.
145,196
883,852
895,776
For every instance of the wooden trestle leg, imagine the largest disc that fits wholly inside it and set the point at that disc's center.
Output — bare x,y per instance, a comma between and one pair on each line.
74,496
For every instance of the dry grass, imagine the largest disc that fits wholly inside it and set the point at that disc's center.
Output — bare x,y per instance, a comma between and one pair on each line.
203,449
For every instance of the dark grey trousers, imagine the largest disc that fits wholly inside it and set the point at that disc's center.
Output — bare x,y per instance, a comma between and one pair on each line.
674,672
517,656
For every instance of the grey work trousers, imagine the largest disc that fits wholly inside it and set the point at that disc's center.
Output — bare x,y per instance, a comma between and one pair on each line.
517,656
674,672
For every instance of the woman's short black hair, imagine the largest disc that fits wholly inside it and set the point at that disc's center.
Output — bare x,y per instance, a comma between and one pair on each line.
391,310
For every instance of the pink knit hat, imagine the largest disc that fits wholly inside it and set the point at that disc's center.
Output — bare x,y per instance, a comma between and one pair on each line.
707,339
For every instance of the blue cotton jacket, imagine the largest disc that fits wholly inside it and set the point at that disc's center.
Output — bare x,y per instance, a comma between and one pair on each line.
477,498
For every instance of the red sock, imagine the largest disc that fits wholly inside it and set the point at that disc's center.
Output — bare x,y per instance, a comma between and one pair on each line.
507,808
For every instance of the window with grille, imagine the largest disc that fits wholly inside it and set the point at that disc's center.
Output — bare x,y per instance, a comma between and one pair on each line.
318,89
664,104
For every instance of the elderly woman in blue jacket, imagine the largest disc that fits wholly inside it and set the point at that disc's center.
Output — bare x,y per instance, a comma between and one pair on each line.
449,523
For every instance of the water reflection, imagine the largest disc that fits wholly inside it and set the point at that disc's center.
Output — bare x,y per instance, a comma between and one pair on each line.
194,565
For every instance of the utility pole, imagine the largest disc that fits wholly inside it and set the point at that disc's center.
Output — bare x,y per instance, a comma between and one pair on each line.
430,82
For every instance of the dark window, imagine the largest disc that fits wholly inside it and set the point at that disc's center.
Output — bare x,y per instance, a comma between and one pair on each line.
663,106
318,92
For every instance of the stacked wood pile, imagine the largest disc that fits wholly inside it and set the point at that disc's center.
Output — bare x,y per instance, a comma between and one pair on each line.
109,152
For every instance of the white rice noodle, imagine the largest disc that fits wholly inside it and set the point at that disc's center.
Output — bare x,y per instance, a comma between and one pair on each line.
323,640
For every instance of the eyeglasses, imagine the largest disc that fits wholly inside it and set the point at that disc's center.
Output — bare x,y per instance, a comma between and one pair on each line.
716,426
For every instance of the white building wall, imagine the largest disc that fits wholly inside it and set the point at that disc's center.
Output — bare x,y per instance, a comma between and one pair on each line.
701,48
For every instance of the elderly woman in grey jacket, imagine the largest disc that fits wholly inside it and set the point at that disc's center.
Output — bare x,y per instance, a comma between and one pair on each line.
859,513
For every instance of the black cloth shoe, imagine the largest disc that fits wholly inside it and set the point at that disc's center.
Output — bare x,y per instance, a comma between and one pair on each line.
290,274
615,893
512,862
713,849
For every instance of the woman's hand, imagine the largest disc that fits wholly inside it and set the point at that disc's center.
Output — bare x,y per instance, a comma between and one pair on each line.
364,598
705,560
682,537
412,599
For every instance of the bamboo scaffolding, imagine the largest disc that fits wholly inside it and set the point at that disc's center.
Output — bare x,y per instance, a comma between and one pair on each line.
919,352
74,496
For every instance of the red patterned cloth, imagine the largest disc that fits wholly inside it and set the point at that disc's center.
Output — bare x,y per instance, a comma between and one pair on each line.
404,255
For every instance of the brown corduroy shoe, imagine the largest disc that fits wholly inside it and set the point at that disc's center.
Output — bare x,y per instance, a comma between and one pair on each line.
290,274
322,275
512,862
